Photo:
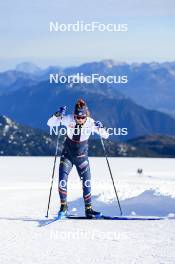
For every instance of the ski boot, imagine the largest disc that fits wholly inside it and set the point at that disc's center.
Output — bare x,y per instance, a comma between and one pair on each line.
90,213
63,211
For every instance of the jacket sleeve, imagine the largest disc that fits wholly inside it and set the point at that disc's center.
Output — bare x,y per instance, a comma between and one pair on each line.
100,131
56,121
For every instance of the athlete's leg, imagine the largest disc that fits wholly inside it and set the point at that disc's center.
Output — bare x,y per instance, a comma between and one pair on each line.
64,170
83,169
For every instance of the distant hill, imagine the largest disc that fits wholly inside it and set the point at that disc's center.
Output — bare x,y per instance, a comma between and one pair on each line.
155,145
18,140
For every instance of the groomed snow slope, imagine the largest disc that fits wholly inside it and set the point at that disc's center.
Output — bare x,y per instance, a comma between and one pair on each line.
24,188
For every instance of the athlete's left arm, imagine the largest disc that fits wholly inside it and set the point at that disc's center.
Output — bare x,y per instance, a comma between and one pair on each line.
98,128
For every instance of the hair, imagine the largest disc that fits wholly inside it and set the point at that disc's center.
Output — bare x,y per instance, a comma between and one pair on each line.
82,104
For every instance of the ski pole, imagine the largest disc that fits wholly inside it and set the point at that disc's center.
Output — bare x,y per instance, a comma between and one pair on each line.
102,142
54,165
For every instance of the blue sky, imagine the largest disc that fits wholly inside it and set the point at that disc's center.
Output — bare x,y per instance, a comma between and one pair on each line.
25,36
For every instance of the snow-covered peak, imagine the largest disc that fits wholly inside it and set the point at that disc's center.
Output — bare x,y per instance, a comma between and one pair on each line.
28,67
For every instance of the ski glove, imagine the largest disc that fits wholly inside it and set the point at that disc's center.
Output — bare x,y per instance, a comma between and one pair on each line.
61,112
98,124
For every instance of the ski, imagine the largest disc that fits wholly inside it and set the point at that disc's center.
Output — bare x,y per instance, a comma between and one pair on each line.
104,217
48,221
52,220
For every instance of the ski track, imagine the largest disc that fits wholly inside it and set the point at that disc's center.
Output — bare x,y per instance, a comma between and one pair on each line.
23,201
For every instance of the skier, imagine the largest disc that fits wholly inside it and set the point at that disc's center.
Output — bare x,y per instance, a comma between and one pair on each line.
75,152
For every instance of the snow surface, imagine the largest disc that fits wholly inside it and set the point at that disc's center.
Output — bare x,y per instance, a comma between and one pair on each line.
24,189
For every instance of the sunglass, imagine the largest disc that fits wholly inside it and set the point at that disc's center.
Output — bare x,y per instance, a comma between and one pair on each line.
80,117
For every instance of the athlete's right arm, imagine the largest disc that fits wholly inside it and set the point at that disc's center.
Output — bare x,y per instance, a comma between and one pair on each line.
57,121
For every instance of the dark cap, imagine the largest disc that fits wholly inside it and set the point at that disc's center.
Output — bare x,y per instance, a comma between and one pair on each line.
82,111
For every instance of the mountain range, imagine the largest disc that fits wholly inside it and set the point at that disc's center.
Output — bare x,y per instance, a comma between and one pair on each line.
27,96
150,85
